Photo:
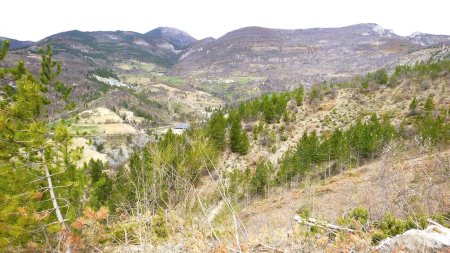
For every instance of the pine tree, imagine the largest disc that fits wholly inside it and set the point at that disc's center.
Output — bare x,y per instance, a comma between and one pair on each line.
429,104
381,76
268,109
413,106
96,169
315,94
28,146
235,135
239,142
4,47
298,95
101,184
243,143
260,178
217,130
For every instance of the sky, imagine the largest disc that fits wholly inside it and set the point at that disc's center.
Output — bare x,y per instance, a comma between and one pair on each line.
37,19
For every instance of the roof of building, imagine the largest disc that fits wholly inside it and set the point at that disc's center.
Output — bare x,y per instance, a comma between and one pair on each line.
182,126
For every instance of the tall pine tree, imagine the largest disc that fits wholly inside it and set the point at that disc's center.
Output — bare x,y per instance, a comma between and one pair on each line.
217,130
35,156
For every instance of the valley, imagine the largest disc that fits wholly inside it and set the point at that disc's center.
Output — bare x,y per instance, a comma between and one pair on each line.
262,140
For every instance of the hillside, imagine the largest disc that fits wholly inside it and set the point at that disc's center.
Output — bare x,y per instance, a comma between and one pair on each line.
335,166
117,69
17,44
397,174
255,60
379,184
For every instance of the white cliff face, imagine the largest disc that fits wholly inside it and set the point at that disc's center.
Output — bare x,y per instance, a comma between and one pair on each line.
415,34
378,30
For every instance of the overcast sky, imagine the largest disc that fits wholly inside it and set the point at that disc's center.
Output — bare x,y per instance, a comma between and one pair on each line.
36,19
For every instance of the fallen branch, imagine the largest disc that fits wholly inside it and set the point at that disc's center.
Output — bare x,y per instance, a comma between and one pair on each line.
435,223
268,247
314,222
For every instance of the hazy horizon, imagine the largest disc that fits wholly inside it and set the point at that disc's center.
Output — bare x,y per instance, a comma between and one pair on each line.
203,19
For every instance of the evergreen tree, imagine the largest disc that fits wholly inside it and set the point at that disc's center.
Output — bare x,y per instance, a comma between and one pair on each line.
96,169
4,47
243,143
413,105
433,129
235,135
315,94
260,179
381,76
429,104
298,95
239,142
217,129
268,108
101,184
29,147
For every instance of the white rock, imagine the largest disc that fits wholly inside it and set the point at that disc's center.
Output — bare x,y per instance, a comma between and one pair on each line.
415,240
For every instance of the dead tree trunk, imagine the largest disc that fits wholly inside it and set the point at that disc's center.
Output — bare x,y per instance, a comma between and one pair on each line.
54,201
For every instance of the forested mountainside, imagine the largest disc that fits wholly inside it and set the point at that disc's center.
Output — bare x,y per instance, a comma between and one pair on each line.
333,167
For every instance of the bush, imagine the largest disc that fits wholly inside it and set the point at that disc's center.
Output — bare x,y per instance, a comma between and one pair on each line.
159,226
260,178
378,236
355,218
304,212
360,214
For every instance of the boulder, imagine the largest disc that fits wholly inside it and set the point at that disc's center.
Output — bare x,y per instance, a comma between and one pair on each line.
435,238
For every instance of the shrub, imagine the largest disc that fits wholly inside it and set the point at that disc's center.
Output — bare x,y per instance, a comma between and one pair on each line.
159,226
378,236
260,178
360,214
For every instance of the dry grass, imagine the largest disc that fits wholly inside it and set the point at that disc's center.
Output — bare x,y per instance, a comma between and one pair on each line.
401,184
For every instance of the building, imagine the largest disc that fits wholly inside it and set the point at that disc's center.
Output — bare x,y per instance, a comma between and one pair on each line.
180,128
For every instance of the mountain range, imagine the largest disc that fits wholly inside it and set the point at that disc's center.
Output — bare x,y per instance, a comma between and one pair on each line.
239,65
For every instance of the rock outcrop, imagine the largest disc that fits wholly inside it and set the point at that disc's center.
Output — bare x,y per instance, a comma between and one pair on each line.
435,238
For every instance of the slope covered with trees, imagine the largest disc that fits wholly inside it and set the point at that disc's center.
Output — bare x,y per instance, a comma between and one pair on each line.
194,186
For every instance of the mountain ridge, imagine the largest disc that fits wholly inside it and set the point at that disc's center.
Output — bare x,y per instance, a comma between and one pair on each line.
17,44
241,64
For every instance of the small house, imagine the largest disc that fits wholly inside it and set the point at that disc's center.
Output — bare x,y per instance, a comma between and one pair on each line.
181,127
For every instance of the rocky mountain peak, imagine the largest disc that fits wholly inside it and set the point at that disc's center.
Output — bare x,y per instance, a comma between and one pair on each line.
179,39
